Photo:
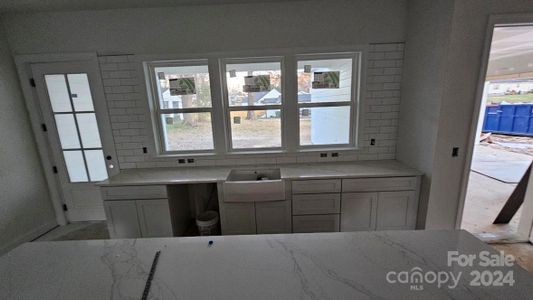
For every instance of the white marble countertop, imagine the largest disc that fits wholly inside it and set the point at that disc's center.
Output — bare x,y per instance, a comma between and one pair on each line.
382,168
294,266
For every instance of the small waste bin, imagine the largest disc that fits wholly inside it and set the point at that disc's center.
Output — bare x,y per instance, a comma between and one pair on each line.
207,223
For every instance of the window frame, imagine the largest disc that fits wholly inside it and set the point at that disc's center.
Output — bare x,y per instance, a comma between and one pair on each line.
355,56
220,109
228,109
81,148
157,112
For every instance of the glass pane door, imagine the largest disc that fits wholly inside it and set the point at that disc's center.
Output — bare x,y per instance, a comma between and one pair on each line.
75,118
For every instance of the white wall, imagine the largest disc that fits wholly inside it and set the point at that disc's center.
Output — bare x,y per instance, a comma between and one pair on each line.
426,44
208,28
212,28
463,63
25,207
128,108
444,47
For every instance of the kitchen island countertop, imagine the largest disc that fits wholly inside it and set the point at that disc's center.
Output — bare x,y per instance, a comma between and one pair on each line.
355,265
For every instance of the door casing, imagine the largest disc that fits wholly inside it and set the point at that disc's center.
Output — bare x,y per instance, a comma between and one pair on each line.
23,64
525,226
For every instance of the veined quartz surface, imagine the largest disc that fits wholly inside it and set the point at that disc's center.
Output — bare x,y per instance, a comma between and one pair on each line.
293,266
381,168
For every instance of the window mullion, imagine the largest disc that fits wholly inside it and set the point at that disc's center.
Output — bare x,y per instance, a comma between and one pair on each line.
185,110
217,102
325,104
290,115
255,107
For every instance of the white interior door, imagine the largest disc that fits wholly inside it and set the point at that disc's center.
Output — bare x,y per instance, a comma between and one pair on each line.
74,112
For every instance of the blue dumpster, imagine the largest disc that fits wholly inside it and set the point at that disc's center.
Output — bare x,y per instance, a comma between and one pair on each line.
514,119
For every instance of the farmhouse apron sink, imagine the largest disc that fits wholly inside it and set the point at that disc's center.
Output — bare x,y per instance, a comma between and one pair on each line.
254,186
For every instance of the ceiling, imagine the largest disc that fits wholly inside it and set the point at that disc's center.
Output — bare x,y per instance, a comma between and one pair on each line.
66,5
511,51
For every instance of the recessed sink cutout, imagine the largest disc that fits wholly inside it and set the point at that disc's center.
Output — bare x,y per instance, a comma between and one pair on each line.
254,186
254,175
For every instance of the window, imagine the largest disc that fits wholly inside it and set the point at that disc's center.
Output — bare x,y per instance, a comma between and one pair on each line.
326,98
254,102
75,119
251,98
182,106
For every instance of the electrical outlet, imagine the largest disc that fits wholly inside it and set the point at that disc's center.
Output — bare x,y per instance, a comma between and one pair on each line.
372,142
181,161
335,154
323,155
455,151
190,160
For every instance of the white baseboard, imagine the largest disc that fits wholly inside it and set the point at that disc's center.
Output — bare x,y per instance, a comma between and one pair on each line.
27,237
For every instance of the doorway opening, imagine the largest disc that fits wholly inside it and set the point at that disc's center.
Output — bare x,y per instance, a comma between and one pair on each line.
503,149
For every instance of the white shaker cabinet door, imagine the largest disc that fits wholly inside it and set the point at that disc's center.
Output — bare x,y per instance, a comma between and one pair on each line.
315,223
358,211
122,221
154,218
239,218
273,217
396,210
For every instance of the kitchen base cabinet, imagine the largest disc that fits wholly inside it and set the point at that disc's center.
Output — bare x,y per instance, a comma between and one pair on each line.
154,218
137,211
396,210
364,204
358,211
256,217
316,205
138,218
239,218
379,211
273,217
315,223
122,220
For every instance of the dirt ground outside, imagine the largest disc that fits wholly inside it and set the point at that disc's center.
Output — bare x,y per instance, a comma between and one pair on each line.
486,196
510,143
258,133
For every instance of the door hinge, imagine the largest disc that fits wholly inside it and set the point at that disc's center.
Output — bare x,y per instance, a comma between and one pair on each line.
43,126
54,169
32,82
65,208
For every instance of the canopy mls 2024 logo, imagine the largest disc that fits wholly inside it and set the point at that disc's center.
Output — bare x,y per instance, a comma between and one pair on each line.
482,269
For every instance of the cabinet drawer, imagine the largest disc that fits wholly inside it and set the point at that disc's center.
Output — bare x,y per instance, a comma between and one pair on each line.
315,223
313,204
134,192
379,184
316,186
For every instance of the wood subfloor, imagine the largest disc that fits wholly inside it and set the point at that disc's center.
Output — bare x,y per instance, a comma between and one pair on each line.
523,253
485,198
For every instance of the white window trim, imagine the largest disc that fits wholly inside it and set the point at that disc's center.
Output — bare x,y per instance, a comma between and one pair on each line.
353,103
290,125
157,111
228,109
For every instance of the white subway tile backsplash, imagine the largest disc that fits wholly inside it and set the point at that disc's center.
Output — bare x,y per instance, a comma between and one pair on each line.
116,58
386,47
128,107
